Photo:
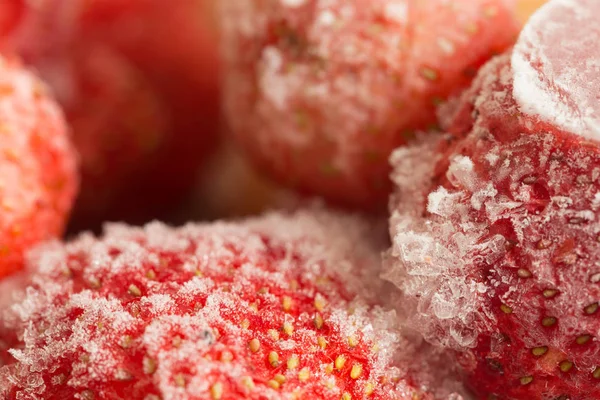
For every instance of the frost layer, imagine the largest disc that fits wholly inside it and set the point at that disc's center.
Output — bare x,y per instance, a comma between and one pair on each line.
272,308
556,64
497,246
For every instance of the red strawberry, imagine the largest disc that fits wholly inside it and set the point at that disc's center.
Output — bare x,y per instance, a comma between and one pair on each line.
503,264
141,123
320,92
38,177
273,308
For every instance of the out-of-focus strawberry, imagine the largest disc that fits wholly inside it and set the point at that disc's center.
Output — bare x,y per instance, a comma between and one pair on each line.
38,175
144,112
320,92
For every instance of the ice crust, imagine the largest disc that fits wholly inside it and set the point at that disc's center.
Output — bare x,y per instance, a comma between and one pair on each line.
556,64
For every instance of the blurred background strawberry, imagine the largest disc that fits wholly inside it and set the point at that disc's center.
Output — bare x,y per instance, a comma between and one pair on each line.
139,84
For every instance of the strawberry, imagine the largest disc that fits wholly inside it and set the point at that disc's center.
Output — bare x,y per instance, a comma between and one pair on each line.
320,92
38,174
137,121
277,307
499,259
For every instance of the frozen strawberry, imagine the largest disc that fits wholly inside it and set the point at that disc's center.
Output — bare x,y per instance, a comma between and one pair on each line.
38,177
140,123
320,92
274,308
499,258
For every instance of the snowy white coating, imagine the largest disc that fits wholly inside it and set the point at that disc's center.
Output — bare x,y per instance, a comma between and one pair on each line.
311,247
556,65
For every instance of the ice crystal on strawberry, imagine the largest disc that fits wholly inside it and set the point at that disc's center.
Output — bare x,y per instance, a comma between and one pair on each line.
320,92
280,307
38,177
497,250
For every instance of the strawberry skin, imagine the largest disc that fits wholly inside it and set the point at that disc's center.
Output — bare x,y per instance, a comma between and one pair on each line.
272,308
38,165
320,92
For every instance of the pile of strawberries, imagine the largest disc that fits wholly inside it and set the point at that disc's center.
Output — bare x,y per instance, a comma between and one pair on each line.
481,281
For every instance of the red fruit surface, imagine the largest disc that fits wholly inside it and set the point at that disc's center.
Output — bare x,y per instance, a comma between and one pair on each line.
144,112
272,308
498,254
38,166
320,92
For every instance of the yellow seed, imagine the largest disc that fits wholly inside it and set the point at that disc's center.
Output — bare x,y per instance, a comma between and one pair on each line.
429,73
151,274
123,375
245,324
288,328
226,356
565,366
216,391
369,388
549,293
591,309
346,396
134,290
274,334
524,273
329,368
126,342
583,339
254,345
248,382
149,365
548,321
304,374
176,341
506,309
352,341
322,342
320,302
274,384
294,285
279,378
490,11
263,290
526,380
87,395
356,371
340,361
286,303
293,362
254,307
539,351
273,359
179,380
596,373
318,321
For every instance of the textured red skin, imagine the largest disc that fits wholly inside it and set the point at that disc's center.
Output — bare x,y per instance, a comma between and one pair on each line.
561,251
37,164
360,180
160,99
228,251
